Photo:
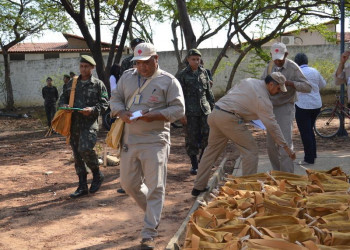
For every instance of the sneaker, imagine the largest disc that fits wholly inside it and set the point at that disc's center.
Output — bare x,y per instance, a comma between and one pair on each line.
196,192
304,163
147,244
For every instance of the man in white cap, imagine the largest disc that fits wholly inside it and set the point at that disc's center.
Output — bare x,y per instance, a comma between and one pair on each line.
283,104
146,139
248,100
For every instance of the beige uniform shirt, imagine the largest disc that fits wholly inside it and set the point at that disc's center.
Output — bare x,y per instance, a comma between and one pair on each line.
251,101
344,78
163,94
292,73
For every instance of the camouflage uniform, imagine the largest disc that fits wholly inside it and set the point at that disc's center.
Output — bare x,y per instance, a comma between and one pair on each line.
199,101
90,93
126,64
50,95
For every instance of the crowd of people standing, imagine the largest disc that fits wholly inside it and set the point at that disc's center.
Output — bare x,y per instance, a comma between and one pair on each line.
287,90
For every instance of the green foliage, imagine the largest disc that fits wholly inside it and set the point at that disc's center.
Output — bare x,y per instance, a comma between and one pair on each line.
326,67
20,19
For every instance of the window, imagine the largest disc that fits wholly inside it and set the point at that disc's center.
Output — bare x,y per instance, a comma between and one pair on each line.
17,56
51,55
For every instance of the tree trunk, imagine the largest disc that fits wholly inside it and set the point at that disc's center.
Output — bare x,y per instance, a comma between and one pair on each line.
127,23
235,67
185,24
8,85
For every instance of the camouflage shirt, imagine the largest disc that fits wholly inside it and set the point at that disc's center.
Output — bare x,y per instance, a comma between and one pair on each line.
199,98
126,64
91,93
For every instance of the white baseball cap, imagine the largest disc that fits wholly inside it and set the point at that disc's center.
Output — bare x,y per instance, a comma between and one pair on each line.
278,51
143,52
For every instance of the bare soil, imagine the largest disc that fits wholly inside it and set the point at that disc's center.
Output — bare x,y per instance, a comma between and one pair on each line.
37,177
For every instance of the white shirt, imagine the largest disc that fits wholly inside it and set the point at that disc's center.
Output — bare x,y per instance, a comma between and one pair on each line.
313,99
113,82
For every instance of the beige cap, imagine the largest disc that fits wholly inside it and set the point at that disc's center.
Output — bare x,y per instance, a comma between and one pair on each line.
87,59
278,51
280,79
144,51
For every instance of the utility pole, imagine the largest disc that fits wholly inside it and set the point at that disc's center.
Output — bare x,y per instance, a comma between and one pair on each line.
342,131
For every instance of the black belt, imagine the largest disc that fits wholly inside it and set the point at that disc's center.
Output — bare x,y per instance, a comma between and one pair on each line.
217,107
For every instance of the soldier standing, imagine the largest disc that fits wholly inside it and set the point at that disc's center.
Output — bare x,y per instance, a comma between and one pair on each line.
127,63
50,95
199,101
92,97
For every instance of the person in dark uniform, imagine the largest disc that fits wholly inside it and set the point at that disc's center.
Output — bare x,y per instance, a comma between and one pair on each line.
92,97
66,79
127,63
199,101
50,95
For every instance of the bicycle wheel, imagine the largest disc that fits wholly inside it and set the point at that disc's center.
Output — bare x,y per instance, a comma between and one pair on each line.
327,123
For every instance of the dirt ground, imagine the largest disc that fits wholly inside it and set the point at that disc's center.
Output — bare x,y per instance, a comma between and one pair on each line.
37,178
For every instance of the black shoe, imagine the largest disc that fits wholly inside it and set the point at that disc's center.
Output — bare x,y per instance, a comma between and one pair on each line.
81,191
193,171
97,180
194,163
82,188
196,192
147,244
175,125
121,191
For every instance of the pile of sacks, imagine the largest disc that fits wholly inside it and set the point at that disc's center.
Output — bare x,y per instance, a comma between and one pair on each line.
275,210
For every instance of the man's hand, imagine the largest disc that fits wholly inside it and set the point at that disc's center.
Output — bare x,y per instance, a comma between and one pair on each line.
290,153
289,83
152,116
125,116
344,57
86,111
183,120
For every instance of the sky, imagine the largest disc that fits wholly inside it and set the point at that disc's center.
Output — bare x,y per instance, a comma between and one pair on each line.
161,36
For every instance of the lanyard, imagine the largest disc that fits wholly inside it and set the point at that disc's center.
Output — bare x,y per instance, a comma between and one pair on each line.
139,81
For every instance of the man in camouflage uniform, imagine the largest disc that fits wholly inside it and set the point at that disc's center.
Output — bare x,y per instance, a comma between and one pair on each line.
199,101
50,95
92,97
127,63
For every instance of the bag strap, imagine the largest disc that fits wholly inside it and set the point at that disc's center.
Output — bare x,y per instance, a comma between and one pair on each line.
72,92
138,90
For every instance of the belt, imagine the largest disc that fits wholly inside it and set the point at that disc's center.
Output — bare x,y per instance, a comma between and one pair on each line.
217,107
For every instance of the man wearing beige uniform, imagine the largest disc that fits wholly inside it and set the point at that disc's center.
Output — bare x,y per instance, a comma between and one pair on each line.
146,140
283,104
342,75
248,100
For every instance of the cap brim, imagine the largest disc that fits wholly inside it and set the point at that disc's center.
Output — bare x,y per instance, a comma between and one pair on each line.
283,88
140,58
277,56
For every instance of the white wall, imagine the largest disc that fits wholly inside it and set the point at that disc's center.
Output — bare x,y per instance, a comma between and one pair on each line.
28,77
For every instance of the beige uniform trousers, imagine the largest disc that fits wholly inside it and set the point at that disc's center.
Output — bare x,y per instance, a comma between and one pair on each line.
146,164
278,156
223,127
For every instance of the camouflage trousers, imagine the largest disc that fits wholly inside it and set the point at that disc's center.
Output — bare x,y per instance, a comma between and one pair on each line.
197,132
83,142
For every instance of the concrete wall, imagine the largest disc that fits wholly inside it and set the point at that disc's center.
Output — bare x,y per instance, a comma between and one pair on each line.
28,77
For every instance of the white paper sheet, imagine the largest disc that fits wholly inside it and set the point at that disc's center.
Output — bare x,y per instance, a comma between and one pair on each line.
136,115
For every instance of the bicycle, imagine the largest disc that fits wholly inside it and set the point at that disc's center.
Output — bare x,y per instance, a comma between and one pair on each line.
328,122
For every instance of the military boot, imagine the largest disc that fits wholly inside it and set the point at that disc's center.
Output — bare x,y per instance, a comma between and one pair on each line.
194,162
82,188
97,180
